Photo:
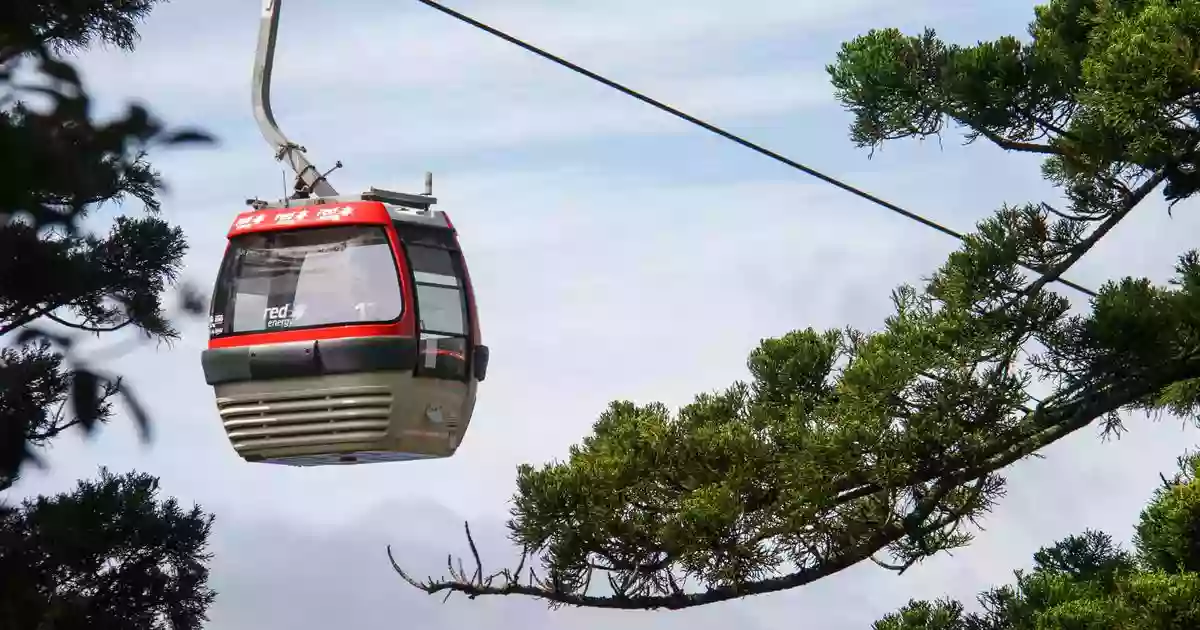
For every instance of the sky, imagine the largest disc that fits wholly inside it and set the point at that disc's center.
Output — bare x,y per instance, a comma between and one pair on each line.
593,225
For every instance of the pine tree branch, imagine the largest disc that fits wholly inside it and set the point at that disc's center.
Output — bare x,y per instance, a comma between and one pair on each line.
1020,147
88,327
1083,247
1056,422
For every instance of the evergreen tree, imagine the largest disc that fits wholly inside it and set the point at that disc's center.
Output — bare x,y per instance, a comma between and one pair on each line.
111,554
59,165
1086,581
847,445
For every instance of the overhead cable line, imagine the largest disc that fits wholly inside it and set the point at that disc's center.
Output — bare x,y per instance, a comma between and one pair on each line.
721,132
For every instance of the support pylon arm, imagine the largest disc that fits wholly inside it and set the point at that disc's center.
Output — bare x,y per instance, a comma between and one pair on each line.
308,178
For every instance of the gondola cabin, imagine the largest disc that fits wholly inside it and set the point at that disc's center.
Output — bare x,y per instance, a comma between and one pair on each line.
344,331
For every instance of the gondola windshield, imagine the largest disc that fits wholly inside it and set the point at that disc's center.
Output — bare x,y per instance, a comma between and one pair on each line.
272,281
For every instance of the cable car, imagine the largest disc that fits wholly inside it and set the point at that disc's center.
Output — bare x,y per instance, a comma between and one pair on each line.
343,328
344,331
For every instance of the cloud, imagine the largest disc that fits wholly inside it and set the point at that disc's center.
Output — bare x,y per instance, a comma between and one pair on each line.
521,115
326,49
408,79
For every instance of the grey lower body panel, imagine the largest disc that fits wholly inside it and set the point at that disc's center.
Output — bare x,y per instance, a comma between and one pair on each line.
341,401
354,418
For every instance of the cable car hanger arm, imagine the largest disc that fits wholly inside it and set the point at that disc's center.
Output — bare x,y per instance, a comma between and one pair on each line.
309,180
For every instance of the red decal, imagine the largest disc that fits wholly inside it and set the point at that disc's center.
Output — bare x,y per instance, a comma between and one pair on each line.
369,212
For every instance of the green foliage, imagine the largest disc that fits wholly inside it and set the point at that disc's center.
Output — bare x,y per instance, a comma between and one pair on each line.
943,614
1088,582
59,165
1168,535
1106,89
72,25
110,554
846,445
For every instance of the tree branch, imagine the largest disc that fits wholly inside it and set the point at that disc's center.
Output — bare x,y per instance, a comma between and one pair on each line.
87,327
1056,422
26,319
1084,246
1013,145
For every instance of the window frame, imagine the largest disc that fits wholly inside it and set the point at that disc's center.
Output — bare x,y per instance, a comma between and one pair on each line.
225,290
409,236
